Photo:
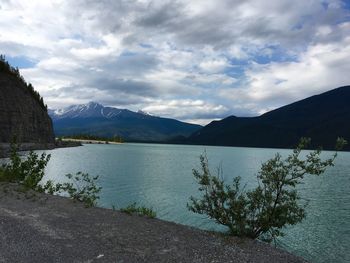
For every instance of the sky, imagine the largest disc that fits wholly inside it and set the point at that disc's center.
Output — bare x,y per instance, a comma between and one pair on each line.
195,61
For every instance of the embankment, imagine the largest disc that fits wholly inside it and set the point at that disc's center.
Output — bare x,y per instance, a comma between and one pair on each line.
43,228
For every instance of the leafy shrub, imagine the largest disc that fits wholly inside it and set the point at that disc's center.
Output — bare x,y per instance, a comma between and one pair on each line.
83,188
30,171
139,210
272,205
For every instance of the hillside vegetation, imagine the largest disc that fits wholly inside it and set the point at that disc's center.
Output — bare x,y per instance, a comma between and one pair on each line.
7,68
323,118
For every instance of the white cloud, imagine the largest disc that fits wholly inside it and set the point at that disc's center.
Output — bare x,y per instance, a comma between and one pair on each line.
214,65
56,63
186,109
235,57
318,69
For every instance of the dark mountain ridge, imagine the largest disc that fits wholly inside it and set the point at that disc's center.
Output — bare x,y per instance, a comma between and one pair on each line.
322,118
23,114
95,119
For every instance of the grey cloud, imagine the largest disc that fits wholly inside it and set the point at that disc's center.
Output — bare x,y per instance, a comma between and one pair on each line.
220,27
113,97
173,19
104,15
127,86
160,16
132,64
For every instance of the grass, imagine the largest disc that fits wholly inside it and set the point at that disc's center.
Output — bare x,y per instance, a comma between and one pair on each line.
139,210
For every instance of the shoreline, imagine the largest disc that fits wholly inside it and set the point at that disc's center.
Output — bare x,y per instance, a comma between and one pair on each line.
69,232
83,141
5,148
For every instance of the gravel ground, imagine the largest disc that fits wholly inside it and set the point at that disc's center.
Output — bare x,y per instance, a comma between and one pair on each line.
42,228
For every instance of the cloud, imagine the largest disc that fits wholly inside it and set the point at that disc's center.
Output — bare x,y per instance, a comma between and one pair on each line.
193,60
318,69
186,109
214,65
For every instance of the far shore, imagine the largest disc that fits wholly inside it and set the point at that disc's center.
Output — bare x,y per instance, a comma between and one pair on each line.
89,141
5,147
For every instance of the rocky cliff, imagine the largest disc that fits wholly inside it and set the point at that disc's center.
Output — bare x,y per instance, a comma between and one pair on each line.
23,116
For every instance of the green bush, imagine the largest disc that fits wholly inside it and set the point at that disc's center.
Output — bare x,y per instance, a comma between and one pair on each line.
29,172
139,210
273,204
83,188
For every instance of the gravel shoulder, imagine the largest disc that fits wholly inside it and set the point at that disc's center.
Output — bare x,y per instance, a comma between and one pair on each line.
43,228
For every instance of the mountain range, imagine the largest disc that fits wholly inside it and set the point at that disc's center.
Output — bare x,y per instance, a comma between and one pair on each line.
322,118
95,119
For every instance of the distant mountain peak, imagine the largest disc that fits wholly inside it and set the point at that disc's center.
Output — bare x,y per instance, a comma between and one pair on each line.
91,109
95,119
93,104
94,109
144,112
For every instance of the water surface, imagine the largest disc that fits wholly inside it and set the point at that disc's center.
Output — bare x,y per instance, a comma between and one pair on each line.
160,176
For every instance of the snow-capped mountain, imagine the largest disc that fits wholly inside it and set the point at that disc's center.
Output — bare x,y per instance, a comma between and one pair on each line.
95,119
93,110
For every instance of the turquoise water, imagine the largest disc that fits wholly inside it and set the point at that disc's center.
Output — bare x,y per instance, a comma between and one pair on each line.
159,176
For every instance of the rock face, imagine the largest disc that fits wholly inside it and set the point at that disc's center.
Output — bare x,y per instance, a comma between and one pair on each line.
21,115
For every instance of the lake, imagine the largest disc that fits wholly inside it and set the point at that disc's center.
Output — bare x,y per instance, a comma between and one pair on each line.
160,176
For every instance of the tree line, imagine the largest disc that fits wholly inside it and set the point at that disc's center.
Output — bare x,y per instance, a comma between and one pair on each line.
7,68
94,138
